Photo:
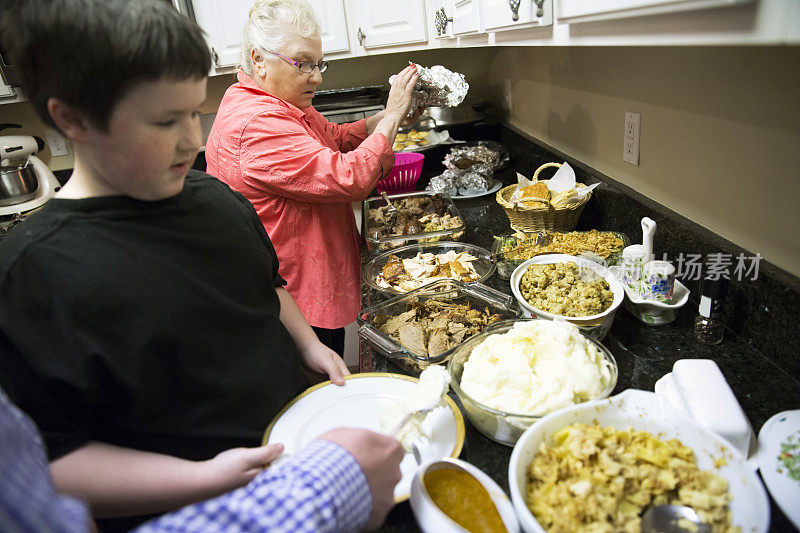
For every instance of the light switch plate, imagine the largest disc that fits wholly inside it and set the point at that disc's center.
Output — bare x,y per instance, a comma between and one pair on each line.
630,145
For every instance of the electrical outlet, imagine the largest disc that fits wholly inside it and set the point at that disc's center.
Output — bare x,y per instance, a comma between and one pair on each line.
630,143
507,100
57,143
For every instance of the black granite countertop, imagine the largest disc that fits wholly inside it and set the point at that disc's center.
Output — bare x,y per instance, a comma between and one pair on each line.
644,354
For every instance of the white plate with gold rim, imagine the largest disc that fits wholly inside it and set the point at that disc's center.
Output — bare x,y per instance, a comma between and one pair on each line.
358,403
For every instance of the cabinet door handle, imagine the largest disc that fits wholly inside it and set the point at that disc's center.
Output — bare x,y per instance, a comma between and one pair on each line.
440,21
215,57
514,5
539,8
361,37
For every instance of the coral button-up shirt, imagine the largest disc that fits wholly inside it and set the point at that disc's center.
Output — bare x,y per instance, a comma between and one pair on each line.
301,173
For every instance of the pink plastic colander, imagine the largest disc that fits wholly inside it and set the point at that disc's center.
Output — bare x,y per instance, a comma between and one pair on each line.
404,174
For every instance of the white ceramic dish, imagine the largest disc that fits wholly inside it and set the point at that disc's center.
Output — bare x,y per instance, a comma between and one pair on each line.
649,311
595,326
645,411
358,404
781,429
432,520
697,389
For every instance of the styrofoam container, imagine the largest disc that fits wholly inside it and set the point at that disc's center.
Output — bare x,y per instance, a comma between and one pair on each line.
595,326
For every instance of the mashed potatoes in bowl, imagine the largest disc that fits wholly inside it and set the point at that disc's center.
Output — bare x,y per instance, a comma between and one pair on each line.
517,371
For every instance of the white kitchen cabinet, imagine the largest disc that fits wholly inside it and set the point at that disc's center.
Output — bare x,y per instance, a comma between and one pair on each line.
467,19
591,10
676,22
333,24
223,21
386,24
500,15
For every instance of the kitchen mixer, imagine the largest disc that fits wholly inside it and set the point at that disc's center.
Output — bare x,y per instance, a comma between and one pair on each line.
25,181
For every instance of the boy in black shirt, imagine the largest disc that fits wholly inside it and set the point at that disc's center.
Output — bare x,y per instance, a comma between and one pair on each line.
141,310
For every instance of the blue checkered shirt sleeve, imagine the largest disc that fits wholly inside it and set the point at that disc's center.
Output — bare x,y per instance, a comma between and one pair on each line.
320,489
28,500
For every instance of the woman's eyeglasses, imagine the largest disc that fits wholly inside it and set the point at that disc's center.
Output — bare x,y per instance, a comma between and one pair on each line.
306,67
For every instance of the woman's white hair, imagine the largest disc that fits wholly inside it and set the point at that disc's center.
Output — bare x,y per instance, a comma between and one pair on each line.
272,22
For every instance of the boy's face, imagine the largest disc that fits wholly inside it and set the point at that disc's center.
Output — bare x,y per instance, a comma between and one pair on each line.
152,140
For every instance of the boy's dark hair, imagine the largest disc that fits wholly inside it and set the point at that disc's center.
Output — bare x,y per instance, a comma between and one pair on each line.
90,53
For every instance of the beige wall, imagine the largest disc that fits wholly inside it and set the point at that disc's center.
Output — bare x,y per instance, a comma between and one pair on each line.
720,140
720,135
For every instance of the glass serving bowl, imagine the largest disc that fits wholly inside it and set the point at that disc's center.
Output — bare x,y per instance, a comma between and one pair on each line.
476,295
501,426
484,265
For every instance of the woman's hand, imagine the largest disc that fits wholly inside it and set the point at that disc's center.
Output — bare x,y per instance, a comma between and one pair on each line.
399,101
320,360
236,467
413,118
388,120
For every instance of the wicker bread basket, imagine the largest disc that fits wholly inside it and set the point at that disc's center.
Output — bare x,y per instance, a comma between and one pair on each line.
545,217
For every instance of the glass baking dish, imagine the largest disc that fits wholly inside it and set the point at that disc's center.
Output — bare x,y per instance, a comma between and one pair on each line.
476,295
377,241
484,266
525,248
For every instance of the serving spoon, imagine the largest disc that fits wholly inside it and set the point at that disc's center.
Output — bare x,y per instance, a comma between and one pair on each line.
439,383
667,519
389,203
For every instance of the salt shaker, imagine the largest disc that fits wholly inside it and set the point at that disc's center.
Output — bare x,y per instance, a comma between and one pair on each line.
710,321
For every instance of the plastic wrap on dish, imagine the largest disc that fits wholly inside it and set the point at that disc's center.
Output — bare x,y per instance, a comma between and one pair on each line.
437,86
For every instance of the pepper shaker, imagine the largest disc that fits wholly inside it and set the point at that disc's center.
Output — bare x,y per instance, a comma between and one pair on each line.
710,321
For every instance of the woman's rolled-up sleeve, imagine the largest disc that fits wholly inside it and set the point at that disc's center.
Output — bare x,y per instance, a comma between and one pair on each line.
280,156
348,135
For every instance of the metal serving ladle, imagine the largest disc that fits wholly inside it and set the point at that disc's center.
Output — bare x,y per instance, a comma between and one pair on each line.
666,519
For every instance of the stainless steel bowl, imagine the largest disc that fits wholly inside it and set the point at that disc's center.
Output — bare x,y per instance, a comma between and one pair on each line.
17,184
465,113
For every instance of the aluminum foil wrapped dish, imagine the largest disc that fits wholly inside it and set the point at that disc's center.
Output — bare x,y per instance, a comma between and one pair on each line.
470,169
437,86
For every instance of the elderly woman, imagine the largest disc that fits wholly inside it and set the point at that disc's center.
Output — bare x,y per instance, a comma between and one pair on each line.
300,171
